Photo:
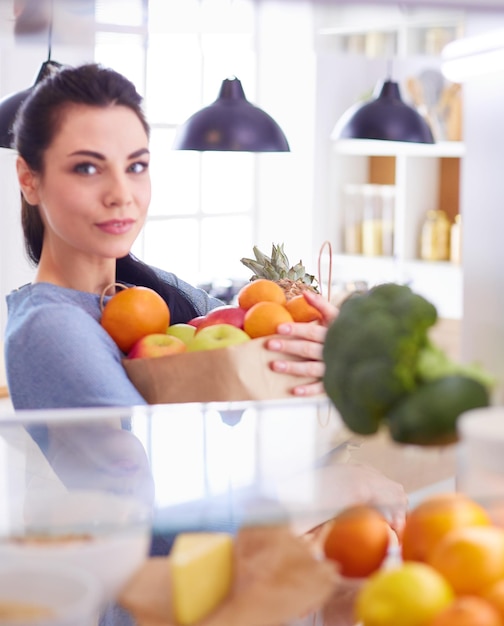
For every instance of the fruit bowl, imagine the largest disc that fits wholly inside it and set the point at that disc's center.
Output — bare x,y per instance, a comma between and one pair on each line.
104,534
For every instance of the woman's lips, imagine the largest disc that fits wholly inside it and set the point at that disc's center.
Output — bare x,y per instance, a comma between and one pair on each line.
116,227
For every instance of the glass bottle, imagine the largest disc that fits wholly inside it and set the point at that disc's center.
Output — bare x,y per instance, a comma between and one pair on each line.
435,237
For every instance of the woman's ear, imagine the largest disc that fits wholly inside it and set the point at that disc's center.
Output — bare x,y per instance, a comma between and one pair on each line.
28,181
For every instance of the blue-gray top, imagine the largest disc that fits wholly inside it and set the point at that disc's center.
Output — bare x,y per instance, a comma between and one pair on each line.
58,355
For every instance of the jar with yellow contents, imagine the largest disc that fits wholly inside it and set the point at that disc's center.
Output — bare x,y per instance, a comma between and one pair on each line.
435,237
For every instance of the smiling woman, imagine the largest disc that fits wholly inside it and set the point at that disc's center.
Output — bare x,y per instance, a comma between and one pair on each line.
86,190
83,169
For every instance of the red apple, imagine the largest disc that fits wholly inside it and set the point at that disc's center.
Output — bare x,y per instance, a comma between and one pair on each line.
196,321
156,344
217,336
227,314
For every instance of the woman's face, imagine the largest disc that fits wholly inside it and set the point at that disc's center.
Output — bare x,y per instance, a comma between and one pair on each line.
95,189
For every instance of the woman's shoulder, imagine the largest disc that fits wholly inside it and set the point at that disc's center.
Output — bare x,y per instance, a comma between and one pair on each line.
46,315
38,297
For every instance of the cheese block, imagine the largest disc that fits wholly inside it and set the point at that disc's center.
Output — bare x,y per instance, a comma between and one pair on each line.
202,574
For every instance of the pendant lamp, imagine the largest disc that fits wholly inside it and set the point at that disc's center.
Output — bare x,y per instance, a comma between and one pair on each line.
386,117
231,123
10,105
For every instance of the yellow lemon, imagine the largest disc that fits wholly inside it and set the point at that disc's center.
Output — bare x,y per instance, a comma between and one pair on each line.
410,594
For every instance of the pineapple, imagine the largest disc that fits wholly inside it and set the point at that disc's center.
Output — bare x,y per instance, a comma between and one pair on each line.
293,280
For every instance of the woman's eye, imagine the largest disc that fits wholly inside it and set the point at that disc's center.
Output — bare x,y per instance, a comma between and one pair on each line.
86,168
138,167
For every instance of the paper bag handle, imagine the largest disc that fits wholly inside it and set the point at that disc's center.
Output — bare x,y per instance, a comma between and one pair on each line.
326,244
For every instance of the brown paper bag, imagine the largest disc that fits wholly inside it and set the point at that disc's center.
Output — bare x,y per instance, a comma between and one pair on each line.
277,579
235,373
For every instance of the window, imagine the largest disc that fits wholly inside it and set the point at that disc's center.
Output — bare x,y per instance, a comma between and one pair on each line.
202,217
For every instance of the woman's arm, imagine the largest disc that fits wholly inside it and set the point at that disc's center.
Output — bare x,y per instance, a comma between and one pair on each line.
305,340
61,357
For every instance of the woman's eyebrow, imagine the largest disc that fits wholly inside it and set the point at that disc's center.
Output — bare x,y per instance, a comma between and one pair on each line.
88,153
138,153
101,157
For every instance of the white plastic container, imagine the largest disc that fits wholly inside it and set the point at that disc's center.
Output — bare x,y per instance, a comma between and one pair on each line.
105,535
480,471
48,595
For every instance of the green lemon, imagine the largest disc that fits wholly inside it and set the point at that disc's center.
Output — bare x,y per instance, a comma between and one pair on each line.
410,594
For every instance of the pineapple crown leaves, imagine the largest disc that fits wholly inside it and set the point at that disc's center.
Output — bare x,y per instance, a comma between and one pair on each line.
277,266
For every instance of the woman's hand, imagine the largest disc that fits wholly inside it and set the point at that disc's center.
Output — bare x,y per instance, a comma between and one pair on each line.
304,340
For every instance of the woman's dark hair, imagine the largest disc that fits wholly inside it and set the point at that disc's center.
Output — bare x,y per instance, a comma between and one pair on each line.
36,125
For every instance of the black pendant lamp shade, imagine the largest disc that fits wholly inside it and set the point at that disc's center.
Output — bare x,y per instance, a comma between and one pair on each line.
9,105
385,117
231,123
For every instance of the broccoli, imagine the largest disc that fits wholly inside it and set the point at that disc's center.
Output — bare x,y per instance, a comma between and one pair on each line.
378,354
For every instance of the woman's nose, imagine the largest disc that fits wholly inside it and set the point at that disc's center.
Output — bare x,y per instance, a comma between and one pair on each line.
118,190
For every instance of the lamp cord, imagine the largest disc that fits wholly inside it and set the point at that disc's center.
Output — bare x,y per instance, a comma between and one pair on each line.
390,65
50,32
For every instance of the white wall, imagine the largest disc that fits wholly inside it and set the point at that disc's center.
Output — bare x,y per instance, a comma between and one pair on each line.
71,45
14,267
483,214
286,70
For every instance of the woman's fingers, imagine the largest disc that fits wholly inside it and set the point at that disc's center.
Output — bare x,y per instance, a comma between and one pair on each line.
313,389
306,342
310,350
311,366
307,369
329,311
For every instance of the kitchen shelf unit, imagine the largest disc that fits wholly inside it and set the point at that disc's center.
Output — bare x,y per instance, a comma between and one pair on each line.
388,30
425,177
362,46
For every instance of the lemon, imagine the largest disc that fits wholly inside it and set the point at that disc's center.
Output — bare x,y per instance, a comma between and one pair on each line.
410,594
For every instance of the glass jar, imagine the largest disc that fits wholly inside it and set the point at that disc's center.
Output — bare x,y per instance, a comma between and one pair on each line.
372,233
387,195
456,240
435,237
352,212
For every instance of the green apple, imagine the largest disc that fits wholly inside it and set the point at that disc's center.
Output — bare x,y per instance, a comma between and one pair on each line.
217,336
182,331
156,345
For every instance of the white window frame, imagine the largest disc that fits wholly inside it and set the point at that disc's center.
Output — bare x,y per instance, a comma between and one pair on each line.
191,263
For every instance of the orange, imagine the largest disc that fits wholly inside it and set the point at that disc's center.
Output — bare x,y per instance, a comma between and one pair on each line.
263,319
468,611
495,595
301,311
430,520
358,540
471,558
133,313
260,290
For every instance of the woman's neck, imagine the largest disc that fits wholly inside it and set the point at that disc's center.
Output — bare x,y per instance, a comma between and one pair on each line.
90,277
